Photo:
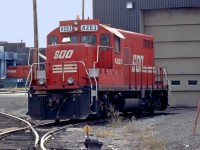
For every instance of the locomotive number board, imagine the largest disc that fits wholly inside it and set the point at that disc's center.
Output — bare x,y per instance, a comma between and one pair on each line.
91,27
66,29
85,28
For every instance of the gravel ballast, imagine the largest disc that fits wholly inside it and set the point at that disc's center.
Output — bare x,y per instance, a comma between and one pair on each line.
172,128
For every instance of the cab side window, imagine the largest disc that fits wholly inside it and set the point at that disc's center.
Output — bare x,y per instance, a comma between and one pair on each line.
117,44
105,41
53,40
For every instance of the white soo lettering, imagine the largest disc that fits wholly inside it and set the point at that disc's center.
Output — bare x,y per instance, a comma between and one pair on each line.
138,61
60,54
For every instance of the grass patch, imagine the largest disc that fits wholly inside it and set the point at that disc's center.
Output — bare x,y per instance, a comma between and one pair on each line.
132,128
145,136
104,134
115,119
154,143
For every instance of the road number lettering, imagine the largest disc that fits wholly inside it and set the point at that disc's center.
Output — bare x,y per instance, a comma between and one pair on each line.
118,61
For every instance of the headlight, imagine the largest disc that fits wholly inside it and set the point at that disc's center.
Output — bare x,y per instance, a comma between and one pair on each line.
70,81
75,28
41,81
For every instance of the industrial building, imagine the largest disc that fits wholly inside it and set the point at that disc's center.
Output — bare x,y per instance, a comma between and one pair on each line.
11,54
175,24
15,54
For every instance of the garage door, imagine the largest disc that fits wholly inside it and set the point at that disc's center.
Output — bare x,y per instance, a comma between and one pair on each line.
177,46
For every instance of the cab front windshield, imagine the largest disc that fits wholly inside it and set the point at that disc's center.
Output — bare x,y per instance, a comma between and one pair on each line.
87,39
70,39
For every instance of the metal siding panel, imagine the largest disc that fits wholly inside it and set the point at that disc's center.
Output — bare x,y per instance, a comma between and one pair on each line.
180,65
172,16
174,33
184,99
177,49
156,4
184,82
114,12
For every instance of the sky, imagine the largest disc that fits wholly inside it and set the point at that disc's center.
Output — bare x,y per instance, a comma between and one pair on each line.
16,18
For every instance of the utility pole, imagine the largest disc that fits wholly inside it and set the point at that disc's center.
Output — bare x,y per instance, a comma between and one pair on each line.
36,47
83,9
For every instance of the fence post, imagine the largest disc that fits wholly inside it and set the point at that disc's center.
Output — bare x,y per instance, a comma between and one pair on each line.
196,119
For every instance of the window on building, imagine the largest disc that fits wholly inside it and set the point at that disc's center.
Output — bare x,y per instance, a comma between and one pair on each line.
192,82
70,39
89,39
175,82
53,40
129,5
105,41
117,44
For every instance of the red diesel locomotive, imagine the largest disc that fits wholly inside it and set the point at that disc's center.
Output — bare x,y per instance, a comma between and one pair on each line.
92,69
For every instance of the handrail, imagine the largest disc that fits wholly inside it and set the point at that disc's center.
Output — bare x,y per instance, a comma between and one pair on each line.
154,70
168,82
31,75
94,66
27,80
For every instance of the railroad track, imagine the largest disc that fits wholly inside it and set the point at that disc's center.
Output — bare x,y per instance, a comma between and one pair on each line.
54,138
50,134
17,133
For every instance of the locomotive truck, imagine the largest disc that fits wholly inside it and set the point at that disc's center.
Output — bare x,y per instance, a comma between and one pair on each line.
92,69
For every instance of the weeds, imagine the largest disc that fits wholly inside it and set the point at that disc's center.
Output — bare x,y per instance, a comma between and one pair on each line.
104,134
115,119
145,136
132,128
154,143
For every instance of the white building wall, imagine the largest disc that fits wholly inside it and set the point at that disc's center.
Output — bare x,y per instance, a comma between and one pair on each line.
177,47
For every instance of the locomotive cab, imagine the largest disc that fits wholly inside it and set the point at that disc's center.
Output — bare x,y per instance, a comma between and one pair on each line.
91,69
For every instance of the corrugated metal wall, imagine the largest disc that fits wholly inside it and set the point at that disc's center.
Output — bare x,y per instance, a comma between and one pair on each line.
114,12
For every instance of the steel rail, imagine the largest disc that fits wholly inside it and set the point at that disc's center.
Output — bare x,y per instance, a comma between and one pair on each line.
36,135
14,130
51,133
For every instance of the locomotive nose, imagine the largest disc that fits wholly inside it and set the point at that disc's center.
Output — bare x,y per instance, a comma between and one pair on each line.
67,65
